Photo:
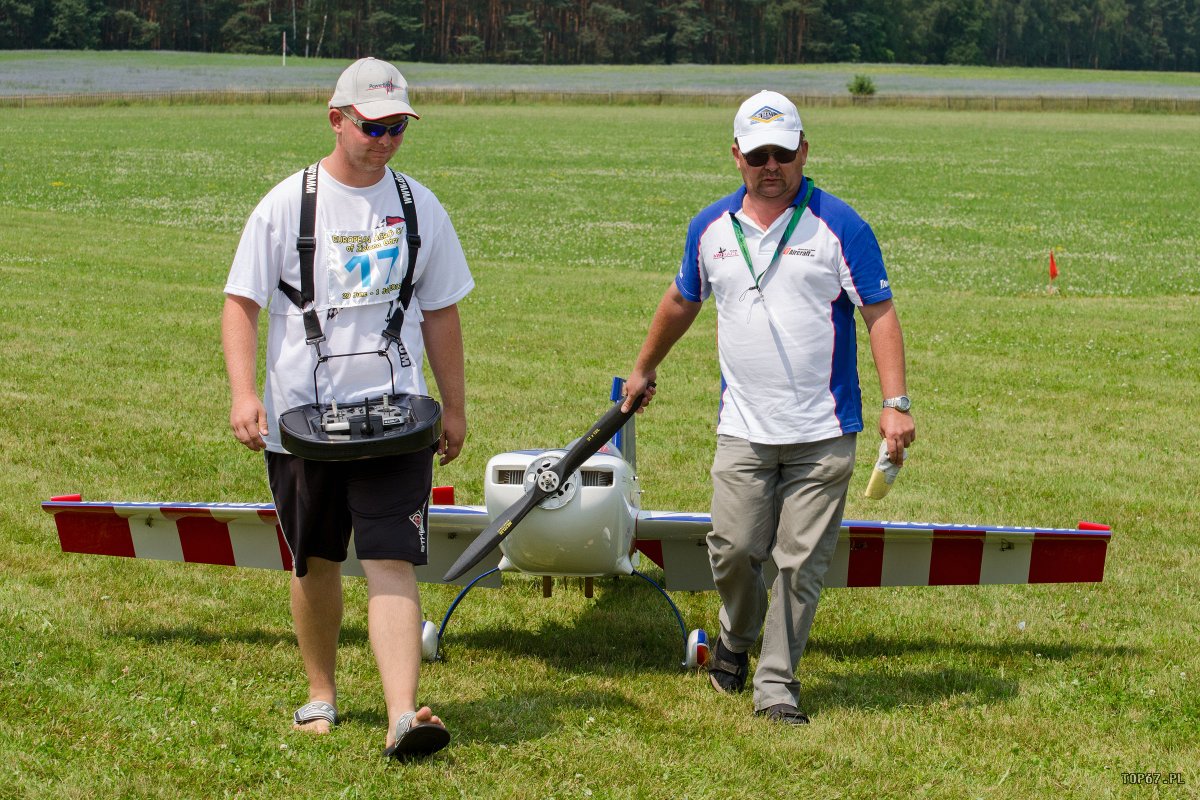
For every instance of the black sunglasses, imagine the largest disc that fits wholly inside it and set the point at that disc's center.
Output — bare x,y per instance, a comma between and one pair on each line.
376,130
760,157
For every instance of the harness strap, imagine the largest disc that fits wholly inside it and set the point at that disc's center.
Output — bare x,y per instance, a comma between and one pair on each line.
409,209
306,246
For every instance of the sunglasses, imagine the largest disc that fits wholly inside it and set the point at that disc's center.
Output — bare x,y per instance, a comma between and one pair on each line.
760,157
376,130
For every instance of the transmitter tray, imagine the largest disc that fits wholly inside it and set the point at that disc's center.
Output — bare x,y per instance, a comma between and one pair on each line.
384,426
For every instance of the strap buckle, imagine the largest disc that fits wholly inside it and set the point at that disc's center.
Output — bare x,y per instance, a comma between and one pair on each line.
313,334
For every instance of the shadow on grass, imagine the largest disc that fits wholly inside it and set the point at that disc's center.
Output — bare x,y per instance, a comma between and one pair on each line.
212,635
627,628
871,647
508,719
907,687
935,680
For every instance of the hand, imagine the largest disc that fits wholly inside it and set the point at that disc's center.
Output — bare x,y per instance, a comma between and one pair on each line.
248,419
637,383
454,433
899,431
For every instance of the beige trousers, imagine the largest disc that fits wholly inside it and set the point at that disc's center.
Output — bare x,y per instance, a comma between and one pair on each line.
782,502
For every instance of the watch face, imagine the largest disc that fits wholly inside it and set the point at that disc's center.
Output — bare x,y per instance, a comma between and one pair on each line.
901,403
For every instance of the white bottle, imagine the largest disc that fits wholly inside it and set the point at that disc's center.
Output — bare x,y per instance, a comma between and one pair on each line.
884,474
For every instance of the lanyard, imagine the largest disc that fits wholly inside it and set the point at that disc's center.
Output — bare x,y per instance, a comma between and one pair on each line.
787,234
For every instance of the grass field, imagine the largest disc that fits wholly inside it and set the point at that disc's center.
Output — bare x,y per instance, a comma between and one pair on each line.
123,678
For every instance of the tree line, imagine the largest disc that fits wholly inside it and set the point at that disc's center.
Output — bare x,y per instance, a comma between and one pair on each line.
1097,34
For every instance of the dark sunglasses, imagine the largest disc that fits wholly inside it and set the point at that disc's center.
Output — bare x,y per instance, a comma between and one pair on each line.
376,130
760,157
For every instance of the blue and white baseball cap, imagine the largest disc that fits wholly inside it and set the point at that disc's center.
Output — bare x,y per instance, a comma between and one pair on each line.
374,88
767,118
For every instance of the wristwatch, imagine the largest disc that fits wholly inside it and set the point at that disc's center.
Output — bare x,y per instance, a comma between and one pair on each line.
901,403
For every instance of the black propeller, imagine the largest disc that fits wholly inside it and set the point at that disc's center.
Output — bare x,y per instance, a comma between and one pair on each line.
546,484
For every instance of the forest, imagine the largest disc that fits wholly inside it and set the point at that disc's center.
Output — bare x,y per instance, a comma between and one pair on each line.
1090,34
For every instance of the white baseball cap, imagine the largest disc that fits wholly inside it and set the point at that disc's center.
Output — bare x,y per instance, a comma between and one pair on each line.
767,118
374,88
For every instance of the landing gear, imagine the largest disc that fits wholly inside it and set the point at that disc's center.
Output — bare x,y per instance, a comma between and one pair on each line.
429,641
696,654
695,643
431,637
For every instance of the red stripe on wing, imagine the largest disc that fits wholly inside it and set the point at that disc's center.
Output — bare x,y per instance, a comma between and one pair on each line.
1057,559
205,541
866,557
98,530
956,557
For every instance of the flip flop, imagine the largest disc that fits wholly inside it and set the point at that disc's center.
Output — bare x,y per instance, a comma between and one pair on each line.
311,712
416,739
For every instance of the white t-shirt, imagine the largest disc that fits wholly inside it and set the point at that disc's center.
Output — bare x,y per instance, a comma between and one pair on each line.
360,260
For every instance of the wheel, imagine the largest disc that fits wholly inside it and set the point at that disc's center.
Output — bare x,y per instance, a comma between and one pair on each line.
697,650
429,641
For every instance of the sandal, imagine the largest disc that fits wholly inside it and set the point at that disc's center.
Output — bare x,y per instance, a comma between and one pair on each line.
727,670
416,739
783,712
313,711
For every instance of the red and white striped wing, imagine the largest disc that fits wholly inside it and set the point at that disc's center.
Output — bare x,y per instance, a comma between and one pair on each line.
900,553
236,534
868,553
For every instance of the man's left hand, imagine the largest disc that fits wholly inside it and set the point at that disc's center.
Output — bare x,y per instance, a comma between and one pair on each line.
899,431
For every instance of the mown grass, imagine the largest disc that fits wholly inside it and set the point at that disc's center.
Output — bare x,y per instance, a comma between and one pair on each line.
124,678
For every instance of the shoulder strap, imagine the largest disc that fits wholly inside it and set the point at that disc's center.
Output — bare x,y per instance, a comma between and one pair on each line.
306,245
396,321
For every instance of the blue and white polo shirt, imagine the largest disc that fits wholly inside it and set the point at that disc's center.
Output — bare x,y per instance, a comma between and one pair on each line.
789,362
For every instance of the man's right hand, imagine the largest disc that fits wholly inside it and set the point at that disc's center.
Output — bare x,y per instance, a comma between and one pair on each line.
248,419
635,384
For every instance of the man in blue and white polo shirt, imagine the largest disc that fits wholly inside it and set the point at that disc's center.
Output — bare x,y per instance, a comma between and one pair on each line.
787,264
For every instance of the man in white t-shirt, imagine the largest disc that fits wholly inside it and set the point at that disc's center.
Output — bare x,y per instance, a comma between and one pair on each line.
787,265
360,258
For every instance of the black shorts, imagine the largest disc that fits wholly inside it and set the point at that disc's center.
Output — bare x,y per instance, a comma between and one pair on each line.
385,501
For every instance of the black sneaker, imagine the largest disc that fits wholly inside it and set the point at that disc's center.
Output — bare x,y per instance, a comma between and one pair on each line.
727,670
785,713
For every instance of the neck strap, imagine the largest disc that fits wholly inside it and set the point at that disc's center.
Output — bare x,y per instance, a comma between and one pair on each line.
787,234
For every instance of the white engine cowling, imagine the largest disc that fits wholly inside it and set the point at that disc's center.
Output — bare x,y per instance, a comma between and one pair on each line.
585,529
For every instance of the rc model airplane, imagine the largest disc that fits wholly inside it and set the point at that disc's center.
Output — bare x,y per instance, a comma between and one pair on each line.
576,512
